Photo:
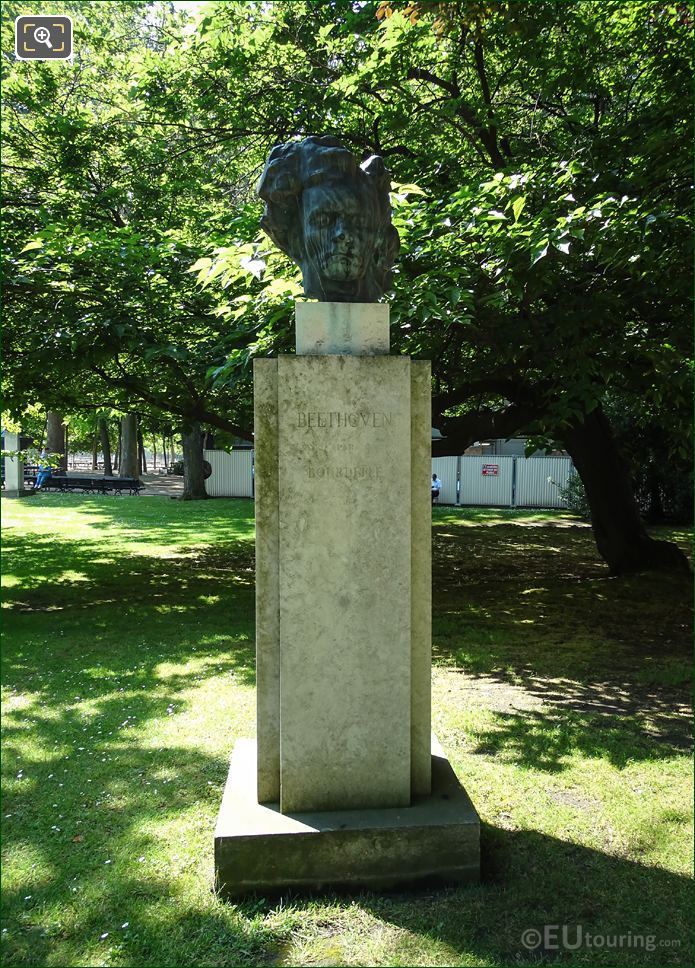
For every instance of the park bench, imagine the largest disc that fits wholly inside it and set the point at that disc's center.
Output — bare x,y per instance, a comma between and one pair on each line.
92,485
118,485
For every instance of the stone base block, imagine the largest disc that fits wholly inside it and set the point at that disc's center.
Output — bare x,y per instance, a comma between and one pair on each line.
17,494
436,839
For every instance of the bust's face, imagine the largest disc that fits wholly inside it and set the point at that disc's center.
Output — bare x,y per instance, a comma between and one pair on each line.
338,231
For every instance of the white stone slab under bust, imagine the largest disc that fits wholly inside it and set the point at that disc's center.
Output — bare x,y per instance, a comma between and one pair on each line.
346,329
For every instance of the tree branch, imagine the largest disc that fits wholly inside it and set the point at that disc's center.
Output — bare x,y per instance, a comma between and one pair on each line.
501,385
421,74
460,432
195,412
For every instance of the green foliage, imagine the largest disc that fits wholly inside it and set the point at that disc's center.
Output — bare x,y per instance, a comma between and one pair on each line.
101,310
540,155
34,456
574,495
659,456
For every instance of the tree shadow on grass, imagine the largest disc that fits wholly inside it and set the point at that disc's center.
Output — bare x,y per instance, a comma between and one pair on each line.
81,602
97,646
567,657
92,658
103,630
100,643
66,567
530,880
105,888
547,741
543,724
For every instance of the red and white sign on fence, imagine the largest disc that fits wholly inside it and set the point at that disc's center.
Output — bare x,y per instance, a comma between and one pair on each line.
491,470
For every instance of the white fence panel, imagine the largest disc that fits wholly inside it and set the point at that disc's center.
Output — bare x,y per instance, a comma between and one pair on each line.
232,474
446,469
533,489
502,484
487,481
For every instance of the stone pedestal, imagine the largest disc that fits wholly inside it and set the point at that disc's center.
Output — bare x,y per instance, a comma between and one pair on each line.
14,468
343,617
435,840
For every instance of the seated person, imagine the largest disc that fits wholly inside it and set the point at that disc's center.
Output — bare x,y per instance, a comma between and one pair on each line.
436,487
44,473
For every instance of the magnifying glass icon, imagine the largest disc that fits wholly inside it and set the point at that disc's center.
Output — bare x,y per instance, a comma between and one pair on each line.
42,35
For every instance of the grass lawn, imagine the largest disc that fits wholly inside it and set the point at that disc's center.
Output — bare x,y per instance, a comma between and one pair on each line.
560,694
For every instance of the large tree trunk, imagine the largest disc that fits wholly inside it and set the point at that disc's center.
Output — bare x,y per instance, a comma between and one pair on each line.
620,535
128,466
55,437
105,446
193,479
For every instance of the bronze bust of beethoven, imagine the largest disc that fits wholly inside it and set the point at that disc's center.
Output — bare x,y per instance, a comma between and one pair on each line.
332,217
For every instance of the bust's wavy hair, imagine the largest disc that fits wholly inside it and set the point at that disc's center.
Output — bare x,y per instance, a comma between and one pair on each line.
297,165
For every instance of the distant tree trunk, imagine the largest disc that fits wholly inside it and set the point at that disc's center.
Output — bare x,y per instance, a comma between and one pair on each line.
164,451
208,440
128,465
655,512
67,449
119,448
154,453
95,445
620,535
105,446
173,451
142,459
193,479
55,437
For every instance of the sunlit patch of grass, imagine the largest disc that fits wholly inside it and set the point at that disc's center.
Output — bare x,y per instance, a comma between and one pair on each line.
473,517
560,696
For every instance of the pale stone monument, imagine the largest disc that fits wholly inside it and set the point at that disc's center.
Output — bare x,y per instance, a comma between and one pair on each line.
14,468
344,785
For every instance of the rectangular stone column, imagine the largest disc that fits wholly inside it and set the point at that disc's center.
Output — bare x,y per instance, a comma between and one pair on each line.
421,577
343,602
14,468
265,420
345,581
